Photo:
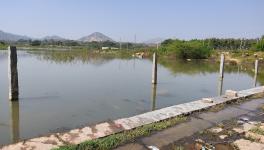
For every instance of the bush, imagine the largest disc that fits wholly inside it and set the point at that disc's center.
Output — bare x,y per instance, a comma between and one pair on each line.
3,45
186,49
36,43
260,45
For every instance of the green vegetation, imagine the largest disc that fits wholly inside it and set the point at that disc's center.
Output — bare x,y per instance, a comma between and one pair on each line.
71,44
257,130
211,48
200,49
260,44
112,141
36,43
3,45
193,49
229,43
217,108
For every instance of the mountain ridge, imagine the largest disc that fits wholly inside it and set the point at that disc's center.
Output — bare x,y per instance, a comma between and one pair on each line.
95,37
5,36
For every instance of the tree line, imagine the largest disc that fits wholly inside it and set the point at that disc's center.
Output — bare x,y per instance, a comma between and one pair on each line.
72,43
202,48
235,44
167,46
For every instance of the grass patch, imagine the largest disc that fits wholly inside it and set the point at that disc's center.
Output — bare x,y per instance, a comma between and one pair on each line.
257,130
3,46
112,141
258,95
252,139
217,108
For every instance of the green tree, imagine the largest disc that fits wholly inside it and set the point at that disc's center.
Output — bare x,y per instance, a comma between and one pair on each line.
36,43
260,45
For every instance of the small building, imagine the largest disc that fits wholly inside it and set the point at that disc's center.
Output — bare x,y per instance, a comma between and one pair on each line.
105,48
114,48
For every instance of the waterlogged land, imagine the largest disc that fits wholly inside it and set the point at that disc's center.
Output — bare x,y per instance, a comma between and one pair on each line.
61,90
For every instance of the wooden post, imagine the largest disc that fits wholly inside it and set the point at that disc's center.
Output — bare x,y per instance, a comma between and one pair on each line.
154,69
256,73
12,73
222,62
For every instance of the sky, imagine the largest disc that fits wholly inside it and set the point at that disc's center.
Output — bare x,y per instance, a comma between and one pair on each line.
147,19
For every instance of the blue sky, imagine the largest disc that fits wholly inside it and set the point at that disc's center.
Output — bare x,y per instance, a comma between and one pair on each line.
184,19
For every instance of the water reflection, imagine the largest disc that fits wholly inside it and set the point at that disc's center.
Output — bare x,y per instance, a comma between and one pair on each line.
220,86
14,121
153,96
255,79
73,57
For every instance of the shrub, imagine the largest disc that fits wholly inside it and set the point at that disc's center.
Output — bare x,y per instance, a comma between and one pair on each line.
3,45
36,43
186,49
260,45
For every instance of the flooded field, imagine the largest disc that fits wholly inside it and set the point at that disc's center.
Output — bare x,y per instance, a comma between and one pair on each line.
63,90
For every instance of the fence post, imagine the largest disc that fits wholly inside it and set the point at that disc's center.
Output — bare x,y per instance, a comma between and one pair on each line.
12,73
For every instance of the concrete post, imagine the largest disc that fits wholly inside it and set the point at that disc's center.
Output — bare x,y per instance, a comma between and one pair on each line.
222,62
12,73
14,121
220,87
154,69
153,96
256,73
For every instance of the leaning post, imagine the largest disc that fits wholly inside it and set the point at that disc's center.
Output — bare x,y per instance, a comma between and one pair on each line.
256,72
222,62
154,69
12,73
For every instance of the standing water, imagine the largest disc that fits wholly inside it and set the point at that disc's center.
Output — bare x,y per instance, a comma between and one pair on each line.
59,92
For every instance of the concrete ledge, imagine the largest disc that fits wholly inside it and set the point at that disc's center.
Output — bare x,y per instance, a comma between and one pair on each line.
77,136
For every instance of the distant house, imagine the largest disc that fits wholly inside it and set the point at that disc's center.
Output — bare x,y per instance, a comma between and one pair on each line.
114,48
107,48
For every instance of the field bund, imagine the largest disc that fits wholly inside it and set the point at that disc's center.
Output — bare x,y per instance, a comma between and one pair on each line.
80,135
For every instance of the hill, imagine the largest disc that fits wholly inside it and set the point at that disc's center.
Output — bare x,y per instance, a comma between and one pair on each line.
4,36
96,36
